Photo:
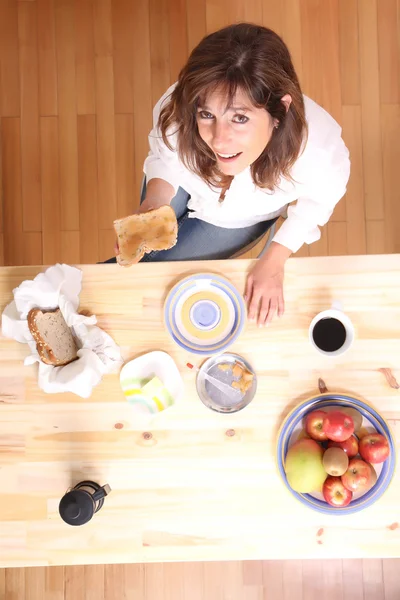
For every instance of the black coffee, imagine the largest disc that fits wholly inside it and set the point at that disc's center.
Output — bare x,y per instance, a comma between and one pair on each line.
329,334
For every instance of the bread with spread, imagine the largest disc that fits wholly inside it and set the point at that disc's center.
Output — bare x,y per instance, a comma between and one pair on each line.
54,340
138,234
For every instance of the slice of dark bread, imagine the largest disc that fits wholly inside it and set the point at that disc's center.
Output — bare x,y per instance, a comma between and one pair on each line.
54,340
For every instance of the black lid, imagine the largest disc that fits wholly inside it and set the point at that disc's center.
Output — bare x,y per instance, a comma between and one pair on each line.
76,507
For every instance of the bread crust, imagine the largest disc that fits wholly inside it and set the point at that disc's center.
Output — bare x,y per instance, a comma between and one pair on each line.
45,352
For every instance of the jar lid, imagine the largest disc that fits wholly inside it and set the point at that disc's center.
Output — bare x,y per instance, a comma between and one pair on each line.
76,507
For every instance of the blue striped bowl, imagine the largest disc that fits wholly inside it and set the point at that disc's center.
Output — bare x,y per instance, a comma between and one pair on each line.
290,426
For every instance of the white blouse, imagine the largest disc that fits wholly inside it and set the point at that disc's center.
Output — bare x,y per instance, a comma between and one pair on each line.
320,176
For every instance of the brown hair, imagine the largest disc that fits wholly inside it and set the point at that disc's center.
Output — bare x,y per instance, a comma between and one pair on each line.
257,61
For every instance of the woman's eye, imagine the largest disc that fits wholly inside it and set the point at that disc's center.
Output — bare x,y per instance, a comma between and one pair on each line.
203,114
240,119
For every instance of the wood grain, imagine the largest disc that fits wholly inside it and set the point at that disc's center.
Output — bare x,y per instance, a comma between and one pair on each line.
46,35
167,503
12,199
84,58
30,135
67,120
9,59
50,190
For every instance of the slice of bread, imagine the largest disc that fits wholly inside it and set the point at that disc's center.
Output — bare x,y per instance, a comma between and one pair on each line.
137,234
54,340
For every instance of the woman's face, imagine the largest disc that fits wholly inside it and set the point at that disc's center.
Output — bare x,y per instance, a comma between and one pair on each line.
238,134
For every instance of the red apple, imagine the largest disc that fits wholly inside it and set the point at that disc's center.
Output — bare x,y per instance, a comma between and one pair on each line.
358,476
338,426
350,446
335,493
374,448
314,422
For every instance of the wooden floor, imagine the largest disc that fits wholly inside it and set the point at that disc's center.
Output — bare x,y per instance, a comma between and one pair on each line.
277,580
78,79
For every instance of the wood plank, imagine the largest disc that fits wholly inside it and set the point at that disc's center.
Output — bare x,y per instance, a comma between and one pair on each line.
213,586
252,572
75,583
103,39
320,53
9,60
253,11
1,257
352,579
125,161
391,161
88,200
173,582
48,103
2,583
15,584
272,16
114,584
12,197
292,579
389,50
218,15
134,581
67,131
30,135
337,238
313,587
107,240
55,583
273,579
373,579
107,196
33,251
320,248
95,583
391,579
142,94
375,232
291,21
196,22
349,52
193,580
159,48
355,208
178,43
49,143
332,579
35,578
85,69
154,581
370,103
70,247
123,28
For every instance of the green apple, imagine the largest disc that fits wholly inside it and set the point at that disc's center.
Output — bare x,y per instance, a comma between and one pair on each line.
304,468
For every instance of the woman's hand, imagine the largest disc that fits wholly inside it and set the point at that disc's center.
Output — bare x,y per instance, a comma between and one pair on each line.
264,289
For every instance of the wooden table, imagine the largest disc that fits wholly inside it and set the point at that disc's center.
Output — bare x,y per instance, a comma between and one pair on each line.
192,492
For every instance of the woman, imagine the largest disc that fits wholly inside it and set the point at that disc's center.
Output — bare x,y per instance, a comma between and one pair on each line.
234,142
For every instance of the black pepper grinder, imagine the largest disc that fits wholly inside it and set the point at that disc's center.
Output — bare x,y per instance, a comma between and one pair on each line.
78,505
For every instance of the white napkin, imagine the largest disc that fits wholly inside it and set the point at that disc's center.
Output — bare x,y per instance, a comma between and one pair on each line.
98,354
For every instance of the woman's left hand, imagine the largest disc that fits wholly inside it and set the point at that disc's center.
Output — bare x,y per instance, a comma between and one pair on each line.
264,289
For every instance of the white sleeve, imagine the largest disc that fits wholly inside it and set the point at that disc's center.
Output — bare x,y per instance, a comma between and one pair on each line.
161,162
328,176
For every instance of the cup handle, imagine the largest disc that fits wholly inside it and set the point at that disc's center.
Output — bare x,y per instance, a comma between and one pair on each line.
101,492
337,305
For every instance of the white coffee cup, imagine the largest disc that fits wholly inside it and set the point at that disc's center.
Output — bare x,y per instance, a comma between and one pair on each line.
335,312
